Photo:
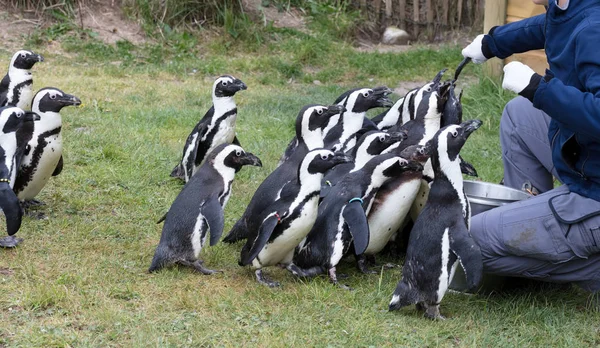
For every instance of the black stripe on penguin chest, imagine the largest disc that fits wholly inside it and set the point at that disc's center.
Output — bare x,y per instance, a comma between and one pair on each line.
205,145
26,172
17,90
288,220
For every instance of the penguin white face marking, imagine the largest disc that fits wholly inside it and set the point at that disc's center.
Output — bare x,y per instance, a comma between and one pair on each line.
392,116
228,173
313,138
362,154
451,168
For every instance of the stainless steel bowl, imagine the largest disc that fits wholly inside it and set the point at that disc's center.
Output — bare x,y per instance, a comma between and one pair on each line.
484,196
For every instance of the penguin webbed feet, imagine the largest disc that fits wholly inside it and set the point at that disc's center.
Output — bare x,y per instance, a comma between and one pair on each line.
198,265
10,242
431,311
304,273
29,206
362,262
333,278
264,280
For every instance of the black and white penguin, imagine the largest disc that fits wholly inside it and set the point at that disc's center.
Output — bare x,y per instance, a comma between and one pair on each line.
43,155
343,134
342,218
369,145
215,128
309,132
440,238
287,220
16,88
394,200
199,208
11,119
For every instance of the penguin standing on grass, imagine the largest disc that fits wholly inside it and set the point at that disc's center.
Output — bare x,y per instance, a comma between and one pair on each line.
43,155
16,88
198,209
11,119
215,128
440,238
287,220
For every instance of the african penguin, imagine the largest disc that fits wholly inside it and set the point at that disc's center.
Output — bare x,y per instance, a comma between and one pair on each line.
11,119
394,199
287,220
369,145
440,238
16,88
342,218
343,135
43,155
309,123
215,128
199,208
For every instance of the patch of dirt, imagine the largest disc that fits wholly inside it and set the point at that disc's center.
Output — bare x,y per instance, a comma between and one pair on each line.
6,271
14,28
106,18
285,19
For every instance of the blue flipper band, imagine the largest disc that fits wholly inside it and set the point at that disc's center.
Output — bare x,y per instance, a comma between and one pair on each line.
356,199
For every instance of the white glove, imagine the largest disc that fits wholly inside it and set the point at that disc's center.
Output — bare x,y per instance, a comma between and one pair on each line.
521,79
475,50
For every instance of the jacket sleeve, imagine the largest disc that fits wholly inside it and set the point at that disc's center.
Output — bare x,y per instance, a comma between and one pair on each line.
580,110
522,36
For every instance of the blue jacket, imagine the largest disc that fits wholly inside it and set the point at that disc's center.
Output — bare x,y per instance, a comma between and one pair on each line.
571,39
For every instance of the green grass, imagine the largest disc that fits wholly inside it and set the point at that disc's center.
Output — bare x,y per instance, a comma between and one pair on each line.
79,278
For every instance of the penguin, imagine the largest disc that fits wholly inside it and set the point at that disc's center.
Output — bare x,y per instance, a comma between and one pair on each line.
343,135
342,218
11,118
309,131
369,145
215,128
199,208
43,155
440,238
287,220
16,88
393,201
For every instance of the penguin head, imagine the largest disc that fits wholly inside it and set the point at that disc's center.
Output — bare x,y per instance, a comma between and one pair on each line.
315,117
419,153
387,166
432,91
11,119
364,99
232,156
52,99
375,142
321,160
227,86
25,60
450,139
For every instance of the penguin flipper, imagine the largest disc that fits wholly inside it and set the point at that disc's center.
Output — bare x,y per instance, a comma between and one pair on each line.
264,233
236,141
468,253
59,167
11,208
214,216
356,219
4,84
467,168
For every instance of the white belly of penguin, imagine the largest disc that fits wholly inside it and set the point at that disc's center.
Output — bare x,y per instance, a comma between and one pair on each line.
26,95
281,249
225,134
386,218
45,167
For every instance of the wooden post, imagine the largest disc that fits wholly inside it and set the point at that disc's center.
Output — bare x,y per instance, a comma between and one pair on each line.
402,8
429,18
388,9
459,9
416,18
377,11
445,7
495,14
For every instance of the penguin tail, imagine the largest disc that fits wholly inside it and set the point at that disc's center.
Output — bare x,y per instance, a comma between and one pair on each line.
178,172
160,260
238,232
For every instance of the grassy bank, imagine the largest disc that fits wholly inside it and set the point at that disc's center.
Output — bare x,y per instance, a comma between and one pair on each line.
80,279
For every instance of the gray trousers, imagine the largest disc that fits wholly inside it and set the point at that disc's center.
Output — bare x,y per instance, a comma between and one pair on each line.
554,236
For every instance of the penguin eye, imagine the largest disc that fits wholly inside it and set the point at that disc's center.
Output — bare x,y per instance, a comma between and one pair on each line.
382,138
403,162
366,94
52,96
455,133
320,111
428,89
324,157
23,55
224,83
19,114
238,153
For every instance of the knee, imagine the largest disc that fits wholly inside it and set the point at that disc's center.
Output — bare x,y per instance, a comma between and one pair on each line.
514,113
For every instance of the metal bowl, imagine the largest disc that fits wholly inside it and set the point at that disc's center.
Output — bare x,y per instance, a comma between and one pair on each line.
484,196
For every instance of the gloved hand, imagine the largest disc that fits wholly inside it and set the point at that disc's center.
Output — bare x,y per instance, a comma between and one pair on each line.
521,79
477,50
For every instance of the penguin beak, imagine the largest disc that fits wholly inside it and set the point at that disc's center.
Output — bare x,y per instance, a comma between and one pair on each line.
240,85
31,116
68,99
438,77
470,126
340,157
414,166
334,110
39,58
250,159
381,95
399,136
11,208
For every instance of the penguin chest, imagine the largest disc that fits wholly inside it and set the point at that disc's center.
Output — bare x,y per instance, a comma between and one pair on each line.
25,95
225,132
420,200
40,163
281,248
388,214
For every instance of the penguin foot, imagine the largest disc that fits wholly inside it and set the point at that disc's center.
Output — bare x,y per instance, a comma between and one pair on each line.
304,273
10,242
264,280
390,265
433,312
362,266
333,278
33,203
36,215
198,266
